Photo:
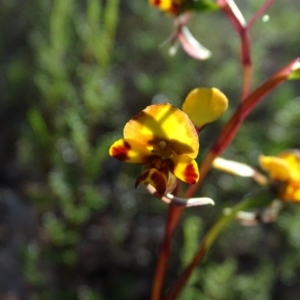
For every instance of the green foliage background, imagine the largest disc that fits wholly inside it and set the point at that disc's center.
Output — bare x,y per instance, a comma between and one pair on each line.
72,73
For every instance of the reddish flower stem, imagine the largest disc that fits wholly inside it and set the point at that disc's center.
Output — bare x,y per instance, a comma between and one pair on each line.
239,24
183,278
226,136
174,214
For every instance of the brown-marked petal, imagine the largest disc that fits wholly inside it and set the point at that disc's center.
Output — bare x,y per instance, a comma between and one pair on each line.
205,105
130,151
154,177
185,168
164,122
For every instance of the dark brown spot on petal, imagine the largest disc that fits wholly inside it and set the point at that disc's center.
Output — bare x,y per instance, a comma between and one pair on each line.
120,152
142,177
157,2
190,174
159,182
175,8
170,165
127,145
151,142
180,147
141,114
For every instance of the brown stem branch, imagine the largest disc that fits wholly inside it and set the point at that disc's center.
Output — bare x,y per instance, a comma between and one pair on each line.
174,214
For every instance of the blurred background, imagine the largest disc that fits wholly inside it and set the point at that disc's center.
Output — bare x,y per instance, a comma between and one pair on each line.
72,226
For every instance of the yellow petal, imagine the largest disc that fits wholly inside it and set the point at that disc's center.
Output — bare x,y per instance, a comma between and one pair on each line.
154,177
277,167
296,195
285,168
185,168
292,157
164,122
130,151
289,192
205,105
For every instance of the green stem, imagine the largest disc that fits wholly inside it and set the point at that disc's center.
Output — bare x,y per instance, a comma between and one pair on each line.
211,236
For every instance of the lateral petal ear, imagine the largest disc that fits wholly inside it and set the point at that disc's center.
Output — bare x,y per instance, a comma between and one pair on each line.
154,177
130,151
185,168
205,105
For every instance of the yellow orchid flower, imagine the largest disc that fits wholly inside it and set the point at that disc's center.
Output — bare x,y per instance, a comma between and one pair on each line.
284,170
164,139
173,7
205,105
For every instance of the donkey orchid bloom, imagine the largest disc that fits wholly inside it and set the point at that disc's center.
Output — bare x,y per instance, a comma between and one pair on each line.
284,171
164,139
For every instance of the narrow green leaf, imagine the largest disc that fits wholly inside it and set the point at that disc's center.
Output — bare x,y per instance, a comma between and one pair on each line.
39,126
260,199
